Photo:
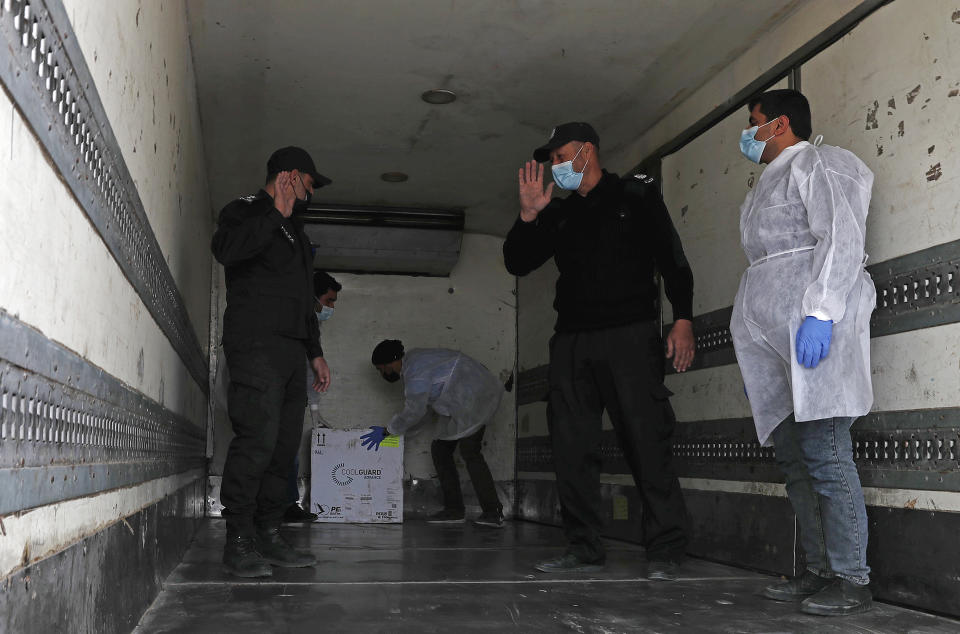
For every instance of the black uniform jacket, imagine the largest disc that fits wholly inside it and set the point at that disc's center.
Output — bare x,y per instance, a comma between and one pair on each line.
269,271
606,245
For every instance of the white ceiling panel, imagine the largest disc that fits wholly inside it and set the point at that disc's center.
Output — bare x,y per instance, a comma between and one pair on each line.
343,79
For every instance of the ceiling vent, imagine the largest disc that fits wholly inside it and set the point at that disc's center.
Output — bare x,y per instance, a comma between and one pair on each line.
371,239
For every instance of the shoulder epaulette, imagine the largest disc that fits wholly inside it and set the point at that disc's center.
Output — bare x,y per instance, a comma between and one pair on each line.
248,199
641,185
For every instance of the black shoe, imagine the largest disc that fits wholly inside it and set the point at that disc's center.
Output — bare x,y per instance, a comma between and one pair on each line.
798,588
490,520
446,516
662,570
241,559
277,551
839,598
568,563
296,515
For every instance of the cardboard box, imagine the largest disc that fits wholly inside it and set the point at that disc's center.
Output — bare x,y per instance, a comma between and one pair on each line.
350,484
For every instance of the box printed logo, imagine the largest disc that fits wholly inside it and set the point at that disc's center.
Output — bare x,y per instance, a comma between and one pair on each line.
343,476
336,476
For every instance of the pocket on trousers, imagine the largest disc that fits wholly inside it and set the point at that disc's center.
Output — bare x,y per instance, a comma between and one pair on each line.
248,379
246,399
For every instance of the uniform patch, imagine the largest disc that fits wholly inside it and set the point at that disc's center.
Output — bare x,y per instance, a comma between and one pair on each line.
643,178
249,199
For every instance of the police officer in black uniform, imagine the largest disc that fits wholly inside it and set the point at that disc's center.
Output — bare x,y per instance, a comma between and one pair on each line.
607,237
268,327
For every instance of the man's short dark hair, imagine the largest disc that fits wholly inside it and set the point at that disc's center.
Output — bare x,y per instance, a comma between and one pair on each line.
785,103
387,351
323,282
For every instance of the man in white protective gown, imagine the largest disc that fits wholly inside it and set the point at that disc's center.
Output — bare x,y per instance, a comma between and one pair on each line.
461,396
801,330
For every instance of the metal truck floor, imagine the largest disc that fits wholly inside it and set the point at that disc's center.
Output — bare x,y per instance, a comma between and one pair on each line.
422,578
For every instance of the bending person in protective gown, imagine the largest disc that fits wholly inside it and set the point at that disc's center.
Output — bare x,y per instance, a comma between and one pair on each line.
801,330
464,397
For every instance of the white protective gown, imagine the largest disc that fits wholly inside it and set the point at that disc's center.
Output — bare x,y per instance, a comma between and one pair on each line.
803,228
462,392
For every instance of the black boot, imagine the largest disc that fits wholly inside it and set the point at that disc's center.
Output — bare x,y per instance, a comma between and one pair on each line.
839,599
241,559
798,588
295,514
278,552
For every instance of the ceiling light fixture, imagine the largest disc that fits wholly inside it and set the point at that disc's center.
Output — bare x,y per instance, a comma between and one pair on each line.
439,96
394,177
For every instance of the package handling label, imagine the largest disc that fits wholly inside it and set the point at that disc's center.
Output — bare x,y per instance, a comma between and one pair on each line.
351,484
327,511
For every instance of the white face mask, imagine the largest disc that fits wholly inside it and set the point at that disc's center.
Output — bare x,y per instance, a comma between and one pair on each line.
324,313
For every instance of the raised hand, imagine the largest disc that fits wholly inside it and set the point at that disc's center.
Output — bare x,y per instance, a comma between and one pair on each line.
533,198
284,195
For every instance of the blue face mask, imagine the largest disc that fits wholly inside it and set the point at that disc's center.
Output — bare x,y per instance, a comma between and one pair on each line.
325,313
749,146
565,177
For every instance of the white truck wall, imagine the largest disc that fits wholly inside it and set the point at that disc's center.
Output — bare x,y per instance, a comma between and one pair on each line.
59,279
759,56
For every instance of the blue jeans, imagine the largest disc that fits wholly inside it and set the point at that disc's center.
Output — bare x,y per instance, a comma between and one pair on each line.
824,488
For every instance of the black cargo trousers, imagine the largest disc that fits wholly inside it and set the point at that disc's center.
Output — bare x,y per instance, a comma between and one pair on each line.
621,370
483,484
265,401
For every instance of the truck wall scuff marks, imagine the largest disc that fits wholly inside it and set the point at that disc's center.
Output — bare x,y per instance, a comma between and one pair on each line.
872,116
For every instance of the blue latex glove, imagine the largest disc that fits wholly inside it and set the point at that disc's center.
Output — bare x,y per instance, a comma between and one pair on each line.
813,341
374,438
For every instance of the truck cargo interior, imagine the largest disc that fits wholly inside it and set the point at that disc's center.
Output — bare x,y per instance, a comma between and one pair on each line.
126,126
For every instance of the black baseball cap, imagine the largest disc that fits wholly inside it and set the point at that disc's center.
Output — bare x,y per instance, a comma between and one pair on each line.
295,158
563,134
